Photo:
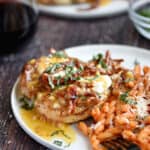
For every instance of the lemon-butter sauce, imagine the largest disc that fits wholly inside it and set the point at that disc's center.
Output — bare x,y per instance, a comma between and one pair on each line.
47,130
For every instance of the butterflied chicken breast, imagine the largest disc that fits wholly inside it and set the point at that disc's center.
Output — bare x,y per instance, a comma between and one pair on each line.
63,89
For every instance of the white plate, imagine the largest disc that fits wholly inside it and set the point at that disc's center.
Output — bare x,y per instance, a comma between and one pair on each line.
130,54
71,11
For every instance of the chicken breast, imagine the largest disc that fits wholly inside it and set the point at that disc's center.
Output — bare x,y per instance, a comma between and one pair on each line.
63,89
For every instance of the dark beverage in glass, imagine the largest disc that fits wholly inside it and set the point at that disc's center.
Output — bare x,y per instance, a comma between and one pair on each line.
18,20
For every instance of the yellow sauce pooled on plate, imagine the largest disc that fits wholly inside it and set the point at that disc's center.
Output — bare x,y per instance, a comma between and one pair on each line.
48,131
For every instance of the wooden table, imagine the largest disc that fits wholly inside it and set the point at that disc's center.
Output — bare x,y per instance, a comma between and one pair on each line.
57,33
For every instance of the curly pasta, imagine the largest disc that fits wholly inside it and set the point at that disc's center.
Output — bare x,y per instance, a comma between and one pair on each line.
118,115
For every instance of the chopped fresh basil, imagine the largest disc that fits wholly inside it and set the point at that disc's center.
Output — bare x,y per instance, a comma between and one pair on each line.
93,78
60,54
52,68
68,145
124,98
76,78
55,133
81,68
70,70
26,103
131,102
98,57
60,132
66,80
103,64
100,60
58,143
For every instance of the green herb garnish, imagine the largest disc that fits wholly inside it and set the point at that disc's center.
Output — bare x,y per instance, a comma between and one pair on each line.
52,68
60,132
124,98
103,64
76,78
68,145
60,54
70,70
98,57
26,103
93,78
81,68
58,143
100,60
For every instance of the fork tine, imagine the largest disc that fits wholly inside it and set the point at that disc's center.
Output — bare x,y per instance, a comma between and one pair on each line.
109,146
119,144
123,142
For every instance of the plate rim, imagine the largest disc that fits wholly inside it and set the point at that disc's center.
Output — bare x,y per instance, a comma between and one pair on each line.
22,124
50,10
136,48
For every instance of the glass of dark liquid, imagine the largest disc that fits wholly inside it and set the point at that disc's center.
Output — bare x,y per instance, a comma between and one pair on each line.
18,19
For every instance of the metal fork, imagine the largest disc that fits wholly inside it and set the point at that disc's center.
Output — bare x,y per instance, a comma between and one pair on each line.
120,144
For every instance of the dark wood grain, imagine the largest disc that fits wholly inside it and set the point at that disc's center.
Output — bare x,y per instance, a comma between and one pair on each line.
57,33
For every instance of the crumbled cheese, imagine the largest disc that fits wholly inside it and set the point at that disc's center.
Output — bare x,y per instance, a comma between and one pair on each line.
60,73
115,76
28,75
63,73
142,107
98,87
95,126
56,105
102,84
